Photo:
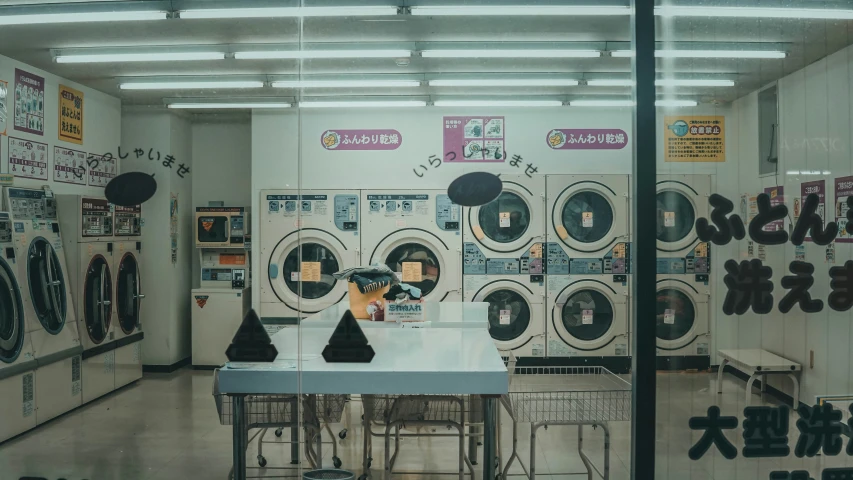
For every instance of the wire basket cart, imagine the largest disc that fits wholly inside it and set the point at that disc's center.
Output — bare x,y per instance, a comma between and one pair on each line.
543,396
281,411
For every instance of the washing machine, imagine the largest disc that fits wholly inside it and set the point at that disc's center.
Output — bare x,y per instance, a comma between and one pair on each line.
128,293
417,234
17,363
681,199
88,226
306,236
48,306
516,311
683,310
588,217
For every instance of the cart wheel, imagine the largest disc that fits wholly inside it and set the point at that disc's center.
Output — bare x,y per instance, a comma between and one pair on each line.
278,432
342,434
262,462
337,462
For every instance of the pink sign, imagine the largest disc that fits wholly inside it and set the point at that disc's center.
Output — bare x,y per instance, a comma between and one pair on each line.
843,190
587,139
777,197
474,139
383,139
818,187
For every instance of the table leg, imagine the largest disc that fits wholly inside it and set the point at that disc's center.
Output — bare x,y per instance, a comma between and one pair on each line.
239,439
294,444
796,392
472,443
720,375
490,408
749,388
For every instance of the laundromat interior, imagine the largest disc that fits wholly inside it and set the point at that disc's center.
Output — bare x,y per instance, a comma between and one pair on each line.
384,239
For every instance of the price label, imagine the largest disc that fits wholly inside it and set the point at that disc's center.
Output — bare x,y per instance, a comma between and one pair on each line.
668,219
504,316
412,272
586,317
294,276
669,316
310,271
587,219
504,219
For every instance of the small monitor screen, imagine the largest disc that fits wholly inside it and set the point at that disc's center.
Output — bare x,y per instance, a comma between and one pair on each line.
213,229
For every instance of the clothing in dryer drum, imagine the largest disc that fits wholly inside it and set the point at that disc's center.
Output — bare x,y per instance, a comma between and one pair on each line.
675,216
312,255
587,315
505,219
587,216
47,285
98,298
675,314
407,253
11,315
127,291
509,314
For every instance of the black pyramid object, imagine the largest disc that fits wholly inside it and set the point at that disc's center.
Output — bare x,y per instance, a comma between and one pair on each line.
348,343
251,343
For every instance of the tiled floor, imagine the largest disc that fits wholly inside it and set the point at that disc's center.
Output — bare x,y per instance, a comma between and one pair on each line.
165,427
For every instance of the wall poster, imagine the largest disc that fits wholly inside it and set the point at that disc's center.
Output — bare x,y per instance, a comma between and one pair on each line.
102,169
29,103
69,166
383,139
777,197
843,190
173,226
4,102
695,138
474,139
817,187
587,139
70,115
27,159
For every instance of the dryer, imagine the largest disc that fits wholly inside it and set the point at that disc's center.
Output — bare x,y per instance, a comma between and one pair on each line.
683,310
88,225
17,363
306,236
128,293
681,199
417,234
47,300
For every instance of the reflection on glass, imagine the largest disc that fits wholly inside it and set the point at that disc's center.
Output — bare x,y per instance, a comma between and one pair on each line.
509,314
599,215
675,216
311,252
415,252
675,314
505,219
587,315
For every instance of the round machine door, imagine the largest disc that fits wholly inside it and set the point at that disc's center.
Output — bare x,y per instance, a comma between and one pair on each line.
506,224
11,315
589,216
301,271
421,259
511,313
681,314
678,207
128,293
589,315
47,285
97,298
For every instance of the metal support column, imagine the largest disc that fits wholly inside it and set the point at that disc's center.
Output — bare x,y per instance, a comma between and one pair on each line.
239,439
490,419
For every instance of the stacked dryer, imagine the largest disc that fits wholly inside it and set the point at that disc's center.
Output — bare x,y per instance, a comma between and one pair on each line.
588,261
128,294
306,236
88,226
52,326
503,264
683,269
415,233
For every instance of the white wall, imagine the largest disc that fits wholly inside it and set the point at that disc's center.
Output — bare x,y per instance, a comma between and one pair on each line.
181,148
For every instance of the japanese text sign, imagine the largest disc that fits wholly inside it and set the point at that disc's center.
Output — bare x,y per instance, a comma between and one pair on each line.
29,103
102,169
817,187
699,138
383,139
27,159
69,166
777,197
70,115
587,139
843,191
474,139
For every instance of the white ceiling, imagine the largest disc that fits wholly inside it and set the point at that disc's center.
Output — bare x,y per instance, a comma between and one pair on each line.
805,41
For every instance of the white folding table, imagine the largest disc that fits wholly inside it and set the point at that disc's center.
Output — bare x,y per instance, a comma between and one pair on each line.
445,360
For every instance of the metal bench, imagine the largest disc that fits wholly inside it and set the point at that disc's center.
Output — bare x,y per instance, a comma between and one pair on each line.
756,363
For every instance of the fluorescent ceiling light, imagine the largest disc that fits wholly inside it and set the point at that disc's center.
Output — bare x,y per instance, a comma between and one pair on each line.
140,57
507,82
300,54
364,104
229,105
707,53
610,83
515,10
662,83
188,85
755,12
630,103
367,11
676,103
498,103
345,83
515,53
80,17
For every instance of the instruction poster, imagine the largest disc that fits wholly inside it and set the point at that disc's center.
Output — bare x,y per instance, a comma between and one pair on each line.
587,139
843,191
27,159
4,102
474,139
700,138
69,166
777,197
361,139
173,226
102,169
70,115
29,103
817,187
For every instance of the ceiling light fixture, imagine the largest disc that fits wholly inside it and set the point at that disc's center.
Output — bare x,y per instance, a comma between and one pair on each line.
139,57
189,85
345,83
666,82
525,10
363,104
81,17
519,53
498,103
228,105
676,103
755,12
506,82
630,103
707,53
309,54
366,11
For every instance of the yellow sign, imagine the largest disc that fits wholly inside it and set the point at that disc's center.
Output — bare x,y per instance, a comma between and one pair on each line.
412,272
699,138
309,272
70,115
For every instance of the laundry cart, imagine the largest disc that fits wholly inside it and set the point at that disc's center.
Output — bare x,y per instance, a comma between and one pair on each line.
581,396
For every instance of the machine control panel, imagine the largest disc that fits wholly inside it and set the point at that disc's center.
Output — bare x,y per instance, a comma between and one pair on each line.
224,268
5,228
31,204
96,217
127,220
